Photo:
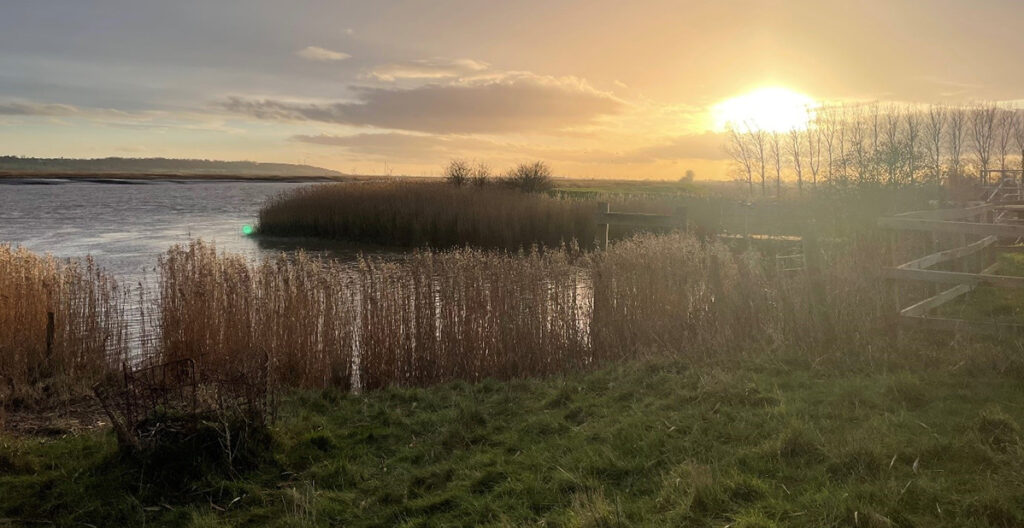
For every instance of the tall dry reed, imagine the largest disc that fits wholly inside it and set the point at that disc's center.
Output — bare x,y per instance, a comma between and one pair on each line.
470,315
290,315
89,332
675,294
429,214
438,316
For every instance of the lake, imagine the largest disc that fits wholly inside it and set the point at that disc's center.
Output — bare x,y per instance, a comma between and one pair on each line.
125,226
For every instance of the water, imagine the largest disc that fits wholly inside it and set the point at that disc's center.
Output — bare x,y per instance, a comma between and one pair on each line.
126,226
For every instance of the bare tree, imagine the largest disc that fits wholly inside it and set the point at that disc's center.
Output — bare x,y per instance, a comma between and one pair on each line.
913,139
1018,137
775,153
830,125
934,131
983,124
876,116
1003,135
858,131
795,154
892,155
741,152
841,141
758,139
957,134
813,135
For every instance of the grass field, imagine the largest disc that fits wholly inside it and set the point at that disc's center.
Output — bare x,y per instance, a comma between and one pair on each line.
641,444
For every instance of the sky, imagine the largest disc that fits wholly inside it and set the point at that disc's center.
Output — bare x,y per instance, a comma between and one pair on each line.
595,88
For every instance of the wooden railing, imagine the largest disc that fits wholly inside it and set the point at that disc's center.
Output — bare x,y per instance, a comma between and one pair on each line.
976,221
605,218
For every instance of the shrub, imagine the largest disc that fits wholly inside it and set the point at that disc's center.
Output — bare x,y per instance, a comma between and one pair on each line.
481,175
457,172
530,177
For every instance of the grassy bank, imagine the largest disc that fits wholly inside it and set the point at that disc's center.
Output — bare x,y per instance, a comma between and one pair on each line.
641,444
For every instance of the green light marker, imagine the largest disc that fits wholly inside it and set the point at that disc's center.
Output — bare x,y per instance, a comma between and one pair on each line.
247,229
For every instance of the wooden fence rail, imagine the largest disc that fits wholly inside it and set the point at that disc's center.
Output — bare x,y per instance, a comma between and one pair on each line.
991,233
605,218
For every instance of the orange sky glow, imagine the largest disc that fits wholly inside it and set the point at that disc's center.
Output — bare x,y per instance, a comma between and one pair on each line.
595,88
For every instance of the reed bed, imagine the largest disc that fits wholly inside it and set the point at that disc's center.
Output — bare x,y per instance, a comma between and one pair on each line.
431,318
89,333
429,214
440,316
469,314
292,316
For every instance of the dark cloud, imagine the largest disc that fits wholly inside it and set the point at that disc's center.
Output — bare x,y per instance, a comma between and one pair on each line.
36,109
519,103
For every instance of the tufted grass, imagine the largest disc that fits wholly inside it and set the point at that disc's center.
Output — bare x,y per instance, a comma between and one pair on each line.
639,444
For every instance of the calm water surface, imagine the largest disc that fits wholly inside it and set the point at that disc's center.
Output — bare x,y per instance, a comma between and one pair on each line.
126,226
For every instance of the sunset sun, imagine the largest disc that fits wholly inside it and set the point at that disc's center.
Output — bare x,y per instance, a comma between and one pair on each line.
772,108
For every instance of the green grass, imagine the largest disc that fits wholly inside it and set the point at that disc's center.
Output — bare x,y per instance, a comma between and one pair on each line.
654,444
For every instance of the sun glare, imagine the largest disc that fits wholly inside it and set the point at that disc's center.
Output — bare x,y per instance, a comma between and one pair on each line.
774,109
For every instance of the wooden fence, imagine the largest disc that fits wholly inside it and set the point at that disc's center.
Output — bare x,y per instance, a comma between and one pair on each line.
984,230
605,218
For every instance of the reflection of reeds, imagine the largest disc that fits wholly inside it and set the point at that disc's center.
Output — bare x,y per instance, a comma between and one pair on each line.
429,214
88,332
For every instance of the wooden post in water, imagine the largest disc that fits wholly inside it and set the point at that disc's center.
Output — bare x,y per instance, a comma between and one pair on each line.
50,331
602,234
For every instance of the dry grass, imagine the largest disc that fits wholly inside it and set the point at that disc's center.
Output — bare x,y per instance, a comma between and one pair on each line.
429,214
89,326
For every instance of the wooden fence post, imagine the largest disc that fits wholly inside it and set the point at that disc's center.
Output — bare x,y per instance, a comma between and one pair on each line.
681,216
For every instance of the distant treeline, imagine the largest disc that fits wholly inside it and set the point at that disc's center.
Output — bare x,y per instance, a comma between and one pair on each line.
893,145
159,166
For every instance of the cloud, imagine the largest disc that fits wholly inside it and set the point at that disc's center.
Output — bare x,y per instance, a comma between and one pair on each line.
17,108
707,146
401,145
315,53
436,68
516,102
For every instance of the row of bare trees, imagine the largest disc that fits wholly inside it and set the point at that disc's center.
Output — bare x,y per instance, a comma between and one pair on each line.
894,145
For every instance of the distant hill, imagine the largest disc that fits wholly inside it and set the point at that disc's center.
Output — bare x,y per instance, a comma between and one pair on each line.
167,166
